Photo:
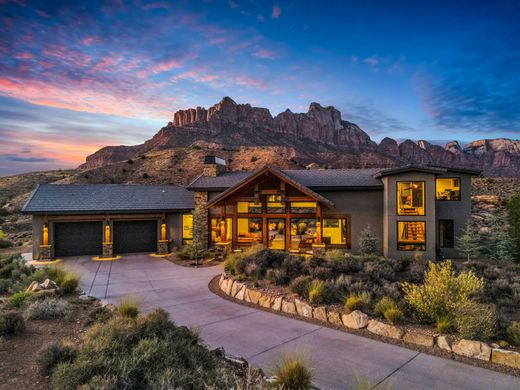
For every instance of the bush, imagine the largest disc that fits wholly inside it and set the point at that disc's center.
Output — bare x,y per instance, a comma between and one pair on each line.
53,273
69,284
300,285
128,307
475,320
318,292
277,276
11,323
387,308
53,354
513,211
5,284
20,298
339,288
48,308
357,302
367,241
292,266
393,315
444,323
513,333
442,291
354,263
292,372
230,264
334,255
13,273
380,270
99,314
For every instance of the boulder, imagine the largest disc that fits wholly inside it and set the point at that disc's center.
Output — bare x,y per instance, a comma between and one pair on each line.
320,313
507,358
236,288
265,301
418,339
288,307
355,320
241,293
33,287
444,342
472,349
334,317
48,284
253,296
226,286
386,330
303,308
277,303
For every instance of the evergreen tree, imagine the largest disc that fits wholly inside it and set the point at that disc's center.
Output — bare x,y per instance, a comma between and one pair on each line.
513,210
367,241
198,249
469,242
500,242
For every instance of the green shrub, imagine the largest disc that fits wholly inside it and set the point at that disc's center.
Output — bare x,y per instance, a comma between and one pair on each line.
357,302
230,264
128,307
300,285
5,285
442,291
367,241
20,298
513,211
475,320
69,284
13,273
11,323
99,314
277,276
334,255
393,315
48,308
513,333
53,273
292,372
318,292
444,323
53,354
383,305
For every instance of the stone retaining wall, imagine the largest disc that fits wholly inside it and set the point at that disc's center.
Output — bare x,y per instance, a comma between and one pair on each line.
359,320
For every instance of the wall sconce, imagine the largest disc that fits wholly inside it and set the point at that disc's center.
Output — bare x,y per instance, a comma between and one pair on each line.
163,232
107,232
45,238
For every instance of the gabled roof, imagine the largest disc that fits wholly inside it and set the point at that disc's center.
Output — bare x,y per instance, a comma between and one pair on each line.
280,175
102,198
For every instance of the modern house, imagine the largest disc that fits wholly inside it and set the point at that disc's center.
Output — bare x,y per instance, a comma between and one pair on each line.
413,209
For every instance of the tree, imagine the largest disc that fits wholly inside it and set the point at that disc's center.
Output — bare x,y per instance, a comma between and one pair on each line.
367,241
513,210
469,241
198,249
501,244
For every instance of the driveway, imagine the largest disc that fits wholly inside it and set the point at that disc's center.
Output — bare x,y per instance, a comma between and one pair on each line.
260,337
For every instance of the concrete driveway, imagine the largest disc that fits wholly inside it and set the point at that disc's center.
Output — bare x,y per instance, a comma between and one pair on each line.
260,337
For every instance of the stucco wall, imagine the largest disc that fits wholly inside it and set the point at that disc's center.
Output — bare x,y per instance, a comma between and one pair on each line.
37,226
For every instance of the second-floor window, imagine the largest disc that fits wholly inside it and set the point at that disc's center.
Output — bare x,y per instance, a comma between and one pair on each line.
447,188
410,198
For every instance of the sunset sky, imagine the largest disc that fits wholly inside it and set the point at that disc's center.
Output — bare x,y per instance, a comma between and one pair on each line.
74,78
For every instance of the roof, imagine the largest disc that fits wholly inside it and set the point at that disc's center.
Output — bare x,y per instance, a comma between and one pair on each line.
312,178
102,198
424,169
282,176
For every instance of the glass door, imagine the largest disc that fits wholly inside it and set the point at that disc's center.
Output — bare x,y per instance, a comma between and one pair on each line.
276,233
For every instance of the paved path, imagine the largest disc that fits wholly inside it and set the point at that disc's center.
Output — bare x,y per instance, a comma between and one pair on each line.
260,337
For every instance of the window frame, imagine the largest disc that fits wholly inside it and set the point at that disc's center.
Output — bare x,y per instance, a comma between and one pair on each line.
410,250
452,232
347,243
184,239
397,198
449,200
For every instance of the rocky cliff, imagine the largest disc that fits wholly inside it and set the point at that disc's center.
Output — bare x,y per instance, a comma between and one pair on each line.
319,137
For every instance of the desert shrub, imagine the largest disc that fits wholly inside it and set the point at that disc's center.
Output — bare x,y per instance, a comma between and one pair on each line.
277,276
400,265
292,266
4,242
322,273
53,273
388,308
53,354
69,284
513,212
13,273
444,323
417,271
393,315
230,264
339,288
334,255
357,301
442,291
5,284
128,307
292,372
318,292
381,270
20,298
99,314
48,308
11,323
513,333
256,260
300,285
367,241
475,320
354,263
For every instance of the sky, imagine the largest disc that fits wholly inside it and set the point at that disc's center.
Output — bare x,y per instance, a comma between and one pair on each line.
77,76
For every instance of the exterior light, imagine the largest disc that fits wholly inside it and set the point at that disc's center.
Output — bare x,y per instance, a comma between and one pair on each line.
107,232
163,232
45,235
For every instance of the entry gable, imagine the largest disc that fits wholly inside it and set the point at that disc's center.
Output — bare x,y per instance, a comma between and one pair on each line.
263,175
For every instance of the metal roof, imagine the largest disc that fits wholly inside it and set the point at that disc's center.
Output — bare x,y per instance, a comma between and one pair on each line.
101,198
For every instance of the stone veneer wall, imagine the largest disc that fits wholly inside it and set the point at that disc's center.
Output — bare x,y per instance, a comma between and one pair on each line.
359,320
201,203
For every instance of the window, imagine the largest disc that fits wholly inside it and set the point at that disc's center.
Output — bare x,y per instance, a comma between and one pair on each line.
276,233
411,236
249,208
303,232
447,188
229,229
334,231
446,233
249,230
187,229
216,229
410,198
275,204
303,207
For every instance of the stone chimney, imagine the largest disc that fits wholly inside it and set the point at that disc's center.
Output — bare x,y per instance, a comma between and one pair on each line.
213,166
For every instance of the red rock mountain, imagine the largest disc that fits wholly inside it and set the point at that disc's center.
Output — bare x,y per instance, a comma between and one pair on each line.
319,137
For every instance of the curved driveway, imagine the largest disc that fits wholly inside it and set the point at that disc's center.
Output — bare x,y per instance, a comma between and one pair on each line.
260,337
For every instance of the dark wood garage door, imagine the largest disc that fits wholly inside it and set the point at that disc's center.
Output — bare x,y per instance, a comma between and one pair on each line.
135,236
77,238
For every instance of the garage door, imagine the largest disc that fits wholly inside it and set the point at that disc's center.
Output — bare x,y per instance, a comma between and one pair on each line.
135,236
77,238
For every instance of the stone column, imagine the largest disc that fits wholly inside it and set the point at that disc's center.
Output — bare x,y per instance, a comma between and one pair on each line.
162,247
45,252
108,250
200,217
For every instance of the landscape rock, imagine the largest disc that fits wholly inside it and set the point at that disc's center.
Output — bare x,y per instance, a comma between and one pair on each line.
444,342
236,288
386,330
33,287
355,320
226,286
253,296
320,313
334,317
473,349
265,301
241,293
419,339
507,358
48,284
303,308
288,307
277,303
84,297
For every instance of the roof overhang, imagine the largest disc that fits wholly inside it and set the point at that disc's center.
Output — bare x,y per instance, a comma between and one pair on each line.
425,169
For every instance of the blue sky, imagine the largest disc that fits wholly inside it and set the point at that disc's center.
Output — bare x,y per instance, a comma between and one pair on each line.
75,77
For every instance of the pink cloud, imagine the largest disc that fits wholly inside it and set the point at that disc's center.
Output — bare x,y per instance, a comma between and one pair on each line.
166,66
265,54
23,56
107,62
277,11
373,61
250,82
87,41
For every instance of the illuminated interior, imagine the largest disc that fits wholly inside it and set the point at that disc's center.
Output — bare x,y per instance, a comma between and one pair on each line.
187,229
447,188
303,233
303,207
229,229
249,207
410,198
411,236
249,230
334,231
216,229
275,205
276,233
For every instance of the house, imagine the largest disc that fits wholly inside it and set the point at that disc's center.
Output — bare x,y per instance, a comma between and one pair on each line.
412,209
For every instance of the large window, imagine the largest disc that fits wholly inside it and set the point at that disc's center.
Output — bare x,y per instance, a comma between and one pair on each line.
303,232
410,198
249,207
221,229
249,230
334,231
276,233
303,207
411,236
447,188
446,233
187,229
275,205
